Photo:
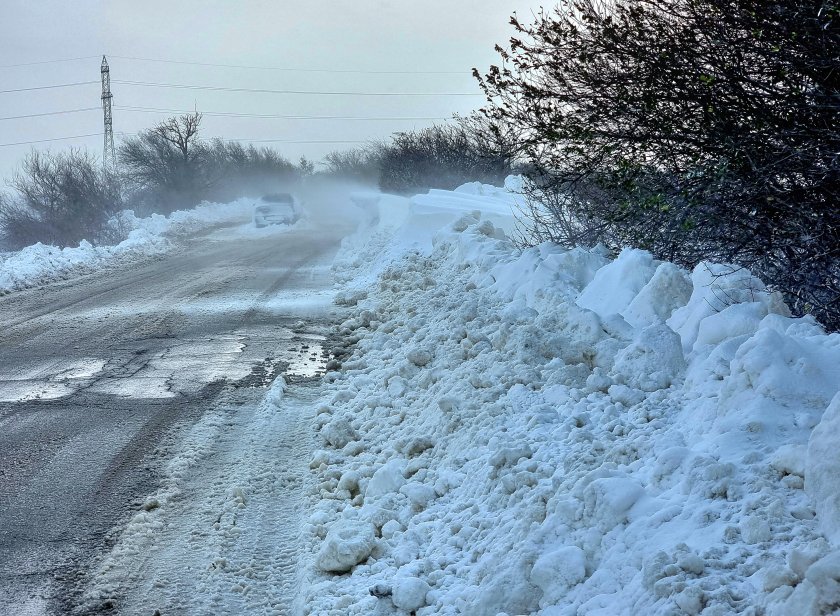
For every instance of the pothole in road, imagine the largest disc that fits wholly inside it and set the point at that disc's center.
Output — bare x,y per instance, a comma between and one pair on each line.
262,374
26,391
299,357
308,359
48,379
152,368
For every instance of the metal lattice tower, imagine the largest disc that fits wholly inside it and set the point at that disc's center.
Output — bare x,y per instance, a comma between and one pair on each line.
109,157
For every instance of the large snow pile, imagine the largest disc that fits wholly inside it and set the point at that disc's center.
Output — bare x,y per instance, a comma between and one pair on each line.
392,226
39,263
554,432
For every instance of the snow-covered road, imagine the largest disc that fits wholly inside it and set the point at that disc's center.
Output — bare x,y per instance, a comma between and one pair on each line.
102,377
223,533
501,431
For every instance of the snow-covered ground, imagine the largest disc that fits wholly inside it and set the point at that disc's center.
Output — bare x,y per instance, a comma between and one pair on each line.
557,432
39,264
544,431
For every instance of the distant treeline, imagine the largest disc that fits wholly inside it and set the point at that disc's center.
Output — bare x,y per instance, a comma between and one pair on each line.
65,197
697,129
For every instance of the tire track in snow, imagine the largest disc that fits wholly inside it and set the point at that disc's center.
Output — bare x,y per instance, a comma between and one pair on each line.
229,540
263,562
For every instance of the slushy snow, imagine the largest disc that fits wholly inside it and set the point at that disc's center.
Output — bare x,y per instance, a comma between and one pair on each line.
558,432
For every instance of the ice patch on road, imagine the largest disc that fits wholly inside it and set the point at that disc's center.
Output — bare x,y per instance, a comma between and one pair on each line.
81,369
308,358
184,367
151,387
47,380
22,390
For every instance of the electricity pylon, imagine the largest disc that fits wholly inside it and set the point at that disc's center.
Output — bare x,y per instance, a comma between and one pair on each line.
109,156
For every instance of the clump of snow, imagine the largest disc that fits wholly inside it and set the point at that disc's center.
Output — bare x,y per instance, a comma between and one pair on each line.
817,593
549,431
348,543
618,283
668,289
338,432
654,360
557,571
39,264
716,288
822,471
386,480
409,593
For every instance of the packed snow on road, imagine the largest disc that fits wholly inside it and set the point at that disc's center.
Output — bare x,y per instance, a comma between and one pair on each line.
146,237
509,431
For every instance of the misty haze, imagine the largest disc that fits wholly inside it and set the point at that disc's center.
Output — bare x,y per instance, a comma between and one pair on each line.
400,308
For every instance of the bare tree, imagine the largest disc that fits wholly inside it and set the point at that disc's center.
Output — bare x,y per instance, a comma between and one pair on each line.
181,132
166,166
441,156
360,164
699,129
235,170
61,199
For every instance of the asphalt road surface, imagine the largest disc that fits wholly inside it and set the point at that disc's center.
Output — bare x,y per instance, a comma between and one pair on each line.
99,375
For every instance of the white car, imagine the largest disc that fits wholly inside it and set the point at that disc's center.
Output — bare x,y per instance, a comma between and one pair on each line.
276,209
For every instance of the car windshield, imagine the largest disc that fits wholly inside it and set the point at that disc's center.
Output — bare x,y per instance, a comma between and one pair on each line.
279,198
276,208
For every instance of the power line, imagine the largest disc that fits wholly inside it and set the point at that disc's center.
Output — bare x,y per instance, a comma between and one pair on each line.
295,70
49,113
124,134
220,113
47,61
292,141
269,116
226,89
3,145
58,85
266,91
288,69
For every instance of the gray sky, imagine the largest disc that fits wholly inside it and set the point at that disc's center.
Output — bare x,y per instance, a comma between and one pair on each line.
344,35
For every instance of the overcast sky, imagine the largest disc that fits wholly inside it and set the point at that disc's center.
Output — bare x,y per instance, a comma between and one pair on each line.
411,36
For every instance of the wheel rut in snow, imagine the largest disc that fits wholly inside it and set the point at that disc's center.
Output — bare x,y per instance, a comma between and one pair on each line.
227,537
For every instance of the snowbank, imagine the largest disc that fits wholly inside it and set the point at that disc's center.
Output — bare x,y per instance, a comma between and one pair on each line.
392,226
554,432
39,264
